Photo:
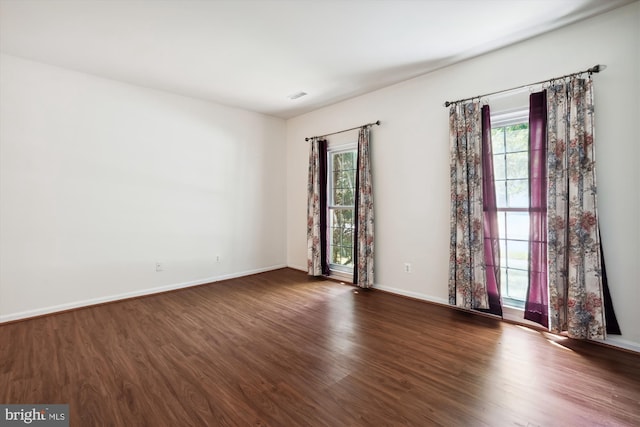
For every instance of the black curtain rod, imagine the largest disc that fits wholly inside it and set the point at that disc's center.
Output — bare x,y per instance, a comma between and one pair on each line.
346,130
594,69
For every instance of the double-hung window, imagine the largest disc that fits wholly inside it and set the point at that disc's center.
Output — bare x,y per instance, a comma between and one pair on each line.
341,189
510,145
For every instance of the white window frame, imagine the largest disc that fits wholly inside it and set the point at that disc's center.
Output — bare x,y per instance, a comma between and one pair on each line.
498,120
339,271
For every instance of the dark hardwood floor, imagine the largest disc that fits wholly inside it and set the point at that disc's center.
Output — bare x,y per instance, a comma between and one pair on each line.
281,349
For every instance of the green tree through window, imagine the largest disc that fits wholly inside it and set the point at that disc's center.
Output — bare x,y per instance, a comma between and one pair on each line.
342,182
511,167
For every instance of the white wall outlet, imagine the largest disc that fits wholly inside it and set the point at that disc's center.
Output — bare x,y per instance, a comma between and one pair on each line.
217,258
408,268
158,267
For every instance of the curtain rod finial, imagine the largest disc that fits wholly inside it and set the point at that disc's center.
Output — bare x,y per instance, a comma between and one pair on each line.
597,68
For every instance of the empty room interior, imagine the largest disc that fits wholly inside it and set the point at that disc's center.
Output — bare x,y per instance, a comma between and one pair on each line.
329,213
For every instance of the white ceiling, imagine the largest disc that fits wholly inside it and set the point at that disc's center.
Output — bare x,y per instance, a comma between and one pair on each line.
253,54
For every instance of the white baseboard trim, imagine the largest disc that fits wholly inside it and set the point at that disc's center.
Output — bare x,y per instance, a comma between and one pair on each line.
617,341
411,294
612,340
127,295
298,267
247,273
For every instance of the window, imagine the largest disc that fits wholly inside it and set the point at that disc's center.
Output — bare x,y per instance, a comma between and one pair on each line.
510,144
341,187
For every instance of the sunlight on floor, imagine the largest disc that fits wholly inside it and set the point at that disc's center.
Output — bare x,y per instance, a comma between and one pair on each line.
525,328
557,340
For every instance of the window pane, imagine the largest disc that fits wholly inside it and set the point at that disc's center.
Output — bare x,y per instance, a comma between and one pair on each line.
343,178
347,258
498,167
518,282
504,281
347,236
337,197
517,254
502,218
501,194
517,225
341,161
497,140
341,256
341,237
348,160
518,193
344,216
343,197
336,235
347,197
503,253
517,165
517,137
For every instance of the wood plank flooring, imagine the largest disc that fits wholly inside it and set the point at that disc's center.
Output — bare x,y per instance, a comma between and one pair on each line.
280,349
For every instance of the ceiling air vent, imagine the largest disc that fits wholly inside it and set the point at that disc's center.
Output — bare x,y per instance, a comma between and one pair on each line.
297,95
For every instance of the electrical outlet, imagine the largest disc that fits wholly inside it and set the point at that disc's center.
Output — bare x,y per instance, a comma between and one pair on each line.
407,267
217,258
158,267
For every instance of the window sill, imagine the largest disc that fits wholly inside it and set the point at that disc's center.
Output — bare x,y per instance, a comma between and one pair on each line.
341,276
516,315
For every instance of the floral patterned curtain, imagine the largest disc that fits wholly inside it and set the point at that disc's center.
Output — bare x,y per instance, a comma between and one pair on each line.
363,245
575,272
317,264
467,278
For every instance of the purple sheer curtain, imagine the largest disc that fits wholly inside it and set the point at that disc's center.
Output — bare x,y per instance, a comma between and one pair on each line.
490,208
536,306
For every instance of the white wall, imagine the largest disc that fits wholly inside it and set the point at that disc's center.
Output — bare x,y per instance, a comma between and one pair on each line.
100,180
411,166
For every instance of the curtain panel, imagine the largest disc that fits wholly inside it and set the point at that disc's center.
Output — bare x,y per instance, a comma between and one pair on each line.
317,264
490,219
364,241
467,270
575,270
536,306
